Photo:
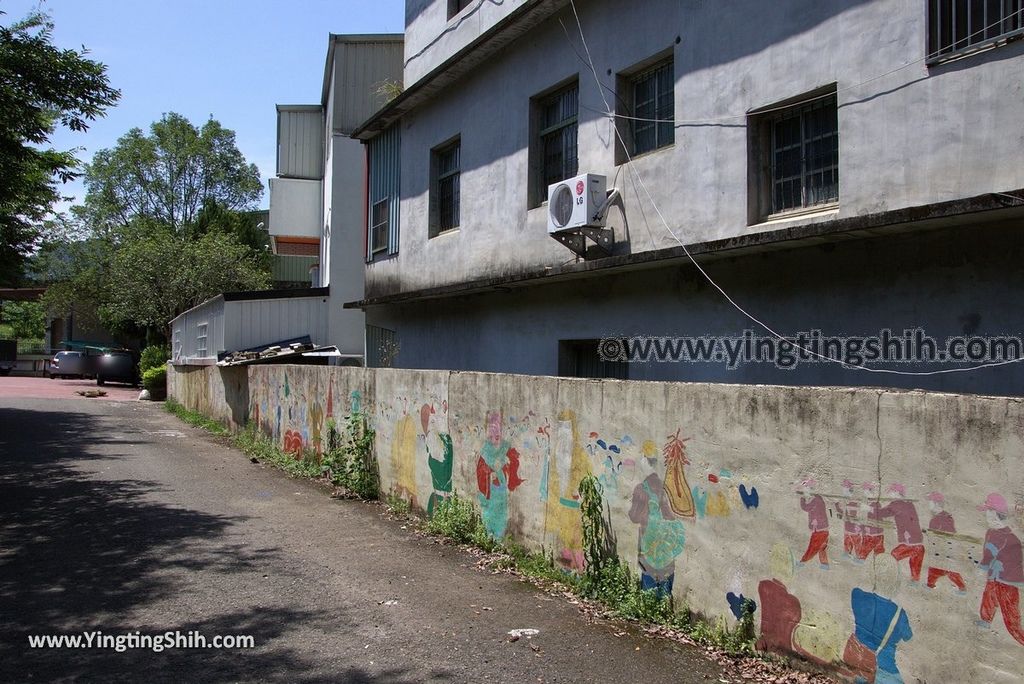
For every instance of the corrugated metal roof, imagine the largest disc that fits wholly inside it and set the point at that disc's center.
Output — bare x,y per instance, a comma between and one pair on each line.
361,64
291,269
300,141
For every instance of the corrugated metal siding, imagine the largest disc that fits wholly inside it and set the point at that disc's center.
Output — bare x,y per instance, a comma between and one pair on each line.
291,269
385,180
300,149
262,321
360,68
185,331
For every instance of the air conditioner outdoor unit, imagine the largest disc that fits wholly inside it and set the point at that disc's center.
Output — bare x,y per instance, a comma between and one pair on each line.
577,203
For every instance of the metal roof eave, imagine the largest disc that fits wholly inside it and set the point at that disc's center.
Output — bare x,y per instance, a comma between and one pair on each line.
487,44
993,206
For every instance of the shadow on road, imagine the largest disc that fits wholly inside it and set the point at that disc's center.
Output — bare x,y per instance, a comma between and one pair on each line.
81,553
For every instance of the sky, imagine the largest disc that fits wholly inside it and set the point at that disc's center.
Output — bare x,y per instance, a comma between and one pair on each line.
230,59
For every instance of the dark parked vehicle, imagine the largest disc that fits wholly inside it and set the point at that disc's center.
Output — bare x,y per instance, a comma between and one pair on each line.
117,365
70,364
8,356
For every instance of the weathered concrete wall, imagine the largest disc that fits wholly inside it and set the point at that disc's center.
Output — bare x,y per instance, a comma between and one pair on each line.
949,282
852,517
918,135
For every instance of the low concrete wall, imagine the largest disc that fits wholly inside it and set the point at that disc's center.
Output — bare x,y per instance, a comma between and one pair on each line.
857,519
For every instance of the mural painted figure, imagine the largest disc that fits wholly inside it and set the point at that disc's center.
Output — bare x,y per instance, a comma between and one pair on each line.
567,467
440,454
940,526
662,535
879,627
497,474
872,539
849,511
909,538
817,522
1002,563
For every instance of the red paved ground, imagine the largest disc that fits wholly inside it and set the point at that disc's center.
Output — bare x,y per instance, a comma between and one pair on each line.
46,388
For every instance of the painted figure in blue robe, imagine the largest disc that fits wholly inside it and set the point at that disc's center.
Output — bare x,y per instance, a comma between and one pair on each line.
661,536
879,627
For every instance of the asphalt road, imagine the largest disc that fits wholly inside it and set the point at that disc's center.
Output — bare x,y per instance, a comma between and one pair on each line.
117,517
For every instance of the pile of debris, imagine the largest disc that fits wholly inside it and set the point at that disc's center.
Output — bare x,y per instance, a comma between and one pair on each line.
273,351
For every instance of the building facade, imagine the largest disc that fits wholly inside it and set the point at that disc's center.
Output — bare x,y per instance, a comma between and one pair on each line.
316,218
847,170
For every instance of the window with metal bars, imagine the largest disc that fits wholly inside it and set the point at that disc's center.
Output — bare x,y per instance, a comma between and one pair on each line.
580,359
379,224
654,108
558,116
446,167
383,201
958,26
804,150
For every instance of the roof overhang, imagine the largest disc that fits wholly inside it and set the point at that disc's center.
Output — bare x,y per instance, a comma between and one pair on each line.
498,37
21,294
987,208
334,38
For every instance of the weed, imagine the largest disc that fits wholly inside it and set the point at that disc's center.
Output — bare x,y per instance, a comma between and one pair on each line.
455,518
257,445
252,442
398,506
349,459
194,418
592,513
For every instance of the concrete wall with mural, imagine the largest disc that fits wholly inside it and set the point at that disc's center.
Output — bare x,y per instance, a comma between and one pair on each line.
877,531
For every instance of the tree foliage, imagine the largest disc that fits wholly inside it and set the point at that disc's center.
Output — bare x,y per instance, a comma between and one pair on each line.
164,227
26,320
155,277
170,175
41,87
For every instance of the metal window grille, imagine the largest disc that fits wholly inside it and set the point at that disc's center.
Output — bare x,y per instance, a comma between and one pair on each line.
805,156
447,188
384,184
580,359
654,99
379,223
381,347
958,25
558,137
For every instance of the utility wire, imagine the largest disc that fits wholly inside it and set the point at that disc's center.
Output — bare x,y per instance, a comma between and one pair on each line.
607,112
707,276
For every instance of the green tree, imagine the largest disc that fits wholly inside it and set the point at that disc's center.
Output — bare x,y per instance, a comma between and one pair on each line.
170,176
154,277
27,320
41,87
165,225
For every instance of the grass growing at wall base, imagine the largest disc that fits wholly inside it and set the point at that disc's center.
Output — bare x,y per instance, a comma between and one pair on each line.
194,418
256,445
608,580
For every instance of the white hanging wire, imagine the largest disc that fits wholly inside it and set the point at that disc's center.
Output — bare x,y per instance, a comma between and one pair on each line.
767,110
713,283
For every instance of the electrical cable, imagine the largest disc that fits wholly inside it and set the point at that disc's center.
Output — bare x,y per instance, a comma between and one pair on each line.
722,291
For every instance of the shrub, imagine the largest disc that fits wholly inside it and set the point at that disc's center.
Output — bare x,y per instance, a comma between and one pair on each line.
155,379
153,356
455,518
